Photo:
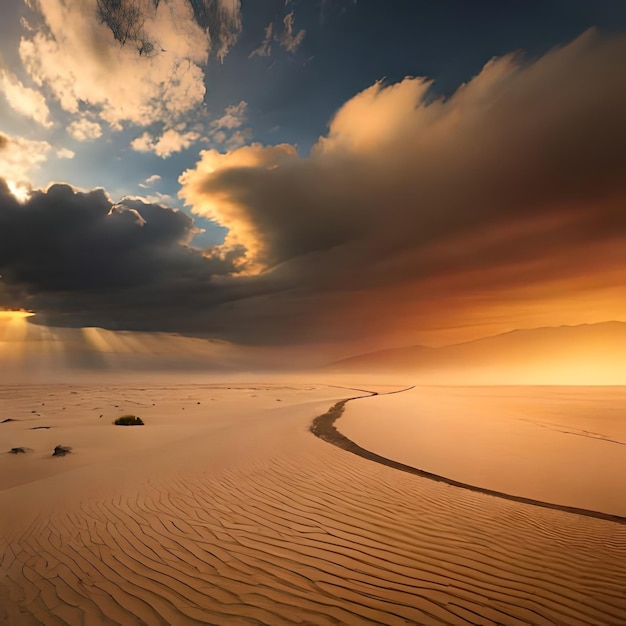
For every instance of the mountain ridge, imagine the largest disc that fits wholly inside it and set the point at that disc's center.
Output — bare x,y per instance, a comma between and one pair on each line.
577,348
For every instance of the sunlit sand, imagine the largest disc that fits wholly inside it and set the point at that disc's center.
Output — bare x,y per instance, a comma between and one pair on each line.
562,445
224,508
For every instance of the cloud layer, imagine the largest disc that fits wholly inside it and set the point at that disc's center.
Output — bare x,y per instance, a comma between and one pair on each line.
411,212
514,181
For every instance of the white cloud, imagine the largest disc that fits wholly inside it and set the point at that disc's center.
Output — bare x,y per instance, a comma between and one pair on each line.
288,40
84,129
26,24
234,117
24,100
227,130
77,58
265,47
239,138
18,158
159,198
228,27
168,143
65,153
143,143
150,181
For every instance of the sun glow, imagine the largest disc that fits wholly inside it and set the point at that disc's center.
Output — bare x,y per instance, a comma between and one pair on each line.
14,330
15,315
20,191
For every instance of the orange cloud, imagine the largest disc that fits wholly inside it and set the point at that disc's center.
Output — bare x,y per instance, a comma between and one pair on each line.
414,219
201,190
430,209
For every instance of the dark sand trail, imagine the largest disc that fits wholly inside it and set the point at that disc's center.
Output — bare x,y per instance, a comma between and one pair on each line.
324,427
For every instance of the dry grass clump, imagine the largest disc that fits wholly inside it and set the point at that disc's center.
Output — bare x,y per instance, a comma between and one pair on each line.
128,420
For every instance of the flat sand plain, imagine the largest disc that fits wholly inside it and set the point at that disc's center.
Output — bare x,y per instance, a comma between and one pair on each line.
225,509
558,444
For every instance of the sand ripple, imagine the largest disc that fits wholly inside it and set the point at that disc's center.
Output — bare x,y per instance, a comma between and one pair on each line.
312,535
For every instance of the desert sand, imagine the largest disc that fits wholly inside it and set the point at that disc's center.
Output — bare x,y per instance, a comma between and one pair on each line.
563,445
225,509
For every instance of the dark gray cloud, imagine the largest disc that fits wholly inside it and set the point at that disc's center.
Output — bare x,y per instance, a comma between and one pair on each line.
516,143
408,213
79,259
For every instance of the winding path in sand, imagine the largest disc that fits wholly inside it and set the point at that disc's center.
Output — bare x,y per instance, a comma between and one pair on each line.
324,427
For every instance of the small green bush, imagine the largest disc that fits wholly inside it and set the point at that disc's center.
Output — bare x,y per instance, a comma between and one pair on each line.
128,420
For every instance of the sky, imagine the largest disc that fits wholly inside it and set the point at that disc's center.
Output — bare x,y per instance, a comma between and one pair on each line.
340,175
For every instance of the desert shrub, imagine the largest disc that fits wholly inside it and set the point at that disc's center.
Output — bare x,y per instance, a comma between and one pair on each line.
128,420
61,450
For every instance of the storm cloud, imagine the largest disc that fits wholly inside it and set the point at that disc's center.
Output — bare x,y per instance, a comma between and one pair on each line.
80,259
412,211
512,183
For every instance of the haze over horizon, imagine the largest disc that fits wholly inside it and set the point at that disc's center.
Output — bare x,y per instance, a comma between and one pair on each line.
311,181
588,354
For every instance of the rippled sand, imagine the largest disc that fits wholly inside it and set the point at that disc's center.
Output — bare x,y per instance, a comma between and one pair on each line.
231,512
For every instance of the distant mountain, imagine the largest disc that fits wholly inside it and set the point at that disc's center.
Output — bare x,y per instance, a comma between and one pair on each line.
589,353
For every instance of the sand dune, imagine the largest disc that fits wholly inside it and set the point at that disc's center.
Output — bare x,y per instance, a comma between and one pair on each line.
247,518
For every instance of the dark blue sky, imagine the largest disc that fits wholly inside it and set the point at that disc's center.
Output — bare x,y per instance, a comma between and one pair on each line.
291,95
351,44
